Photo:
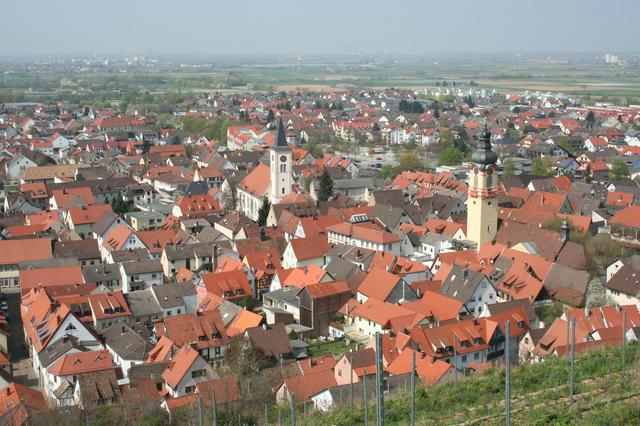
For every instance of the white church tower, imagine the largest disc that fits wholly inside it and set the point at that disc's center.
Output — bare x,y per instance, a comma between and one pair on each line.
482,201
280,164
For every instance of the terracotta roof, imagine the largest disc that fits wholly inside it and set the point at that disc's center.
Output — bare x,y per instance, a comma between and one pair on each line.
71,196
55,276
429,370
203,329
24,250
117,237
310,247
435,305
319,363
198,205
327,289
229,285
82,362
383,313
162,351
310,384
257,182
88,214
180,365
226,389
16,401
365,232
243,321
629,216
379,284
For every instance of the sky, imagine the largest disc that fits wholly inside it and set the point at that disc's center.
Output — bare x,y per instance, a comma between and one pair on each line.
245,27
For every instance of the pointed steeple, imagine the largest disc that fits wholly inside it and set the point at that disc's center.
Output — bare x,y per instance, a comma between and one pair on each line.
483,156
281,140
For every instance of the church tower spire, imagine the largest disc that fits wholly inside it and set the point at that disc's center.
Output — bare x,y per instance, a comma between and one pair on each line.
280,165
482,201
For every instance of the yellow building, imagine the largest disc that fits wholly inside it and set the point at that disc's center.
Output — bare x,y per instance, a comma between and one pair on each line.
482,203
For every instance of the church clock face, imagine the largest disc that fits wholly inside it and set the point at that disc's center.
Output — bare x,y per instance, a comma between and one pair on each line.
283,158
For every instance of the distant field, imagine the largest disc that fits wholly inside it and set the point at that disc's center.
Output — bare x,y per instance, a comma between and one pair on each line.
582,77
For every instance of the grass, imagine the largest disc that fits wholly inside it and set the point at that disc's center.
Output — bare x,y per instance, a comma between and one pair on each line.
538,396
335,347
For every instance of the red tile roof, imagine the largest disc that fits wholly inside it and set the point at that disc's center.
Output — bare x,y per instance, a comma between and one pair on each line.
55,276
629,216
435,305
179,366
378,284
82,362
17,401
257,182
88,214
310,247
24,250
365,232
228,285
310,384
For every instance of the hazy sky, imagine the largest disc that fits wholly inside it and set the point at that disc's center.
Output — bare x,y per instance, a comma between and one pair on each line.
329,26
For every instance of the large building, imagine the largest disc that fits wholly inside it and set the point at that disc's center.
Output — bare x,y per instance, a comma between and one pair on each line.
482,203
274,181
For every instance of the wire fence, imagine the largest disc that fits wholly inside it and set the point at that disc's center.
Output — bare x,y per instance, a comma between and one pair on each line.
571,390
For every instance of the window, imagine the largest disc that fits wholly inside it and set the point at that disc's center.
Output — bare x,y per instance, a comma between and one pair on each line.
476,356
198,373
179,311
189,389
216,351
464,358
70,327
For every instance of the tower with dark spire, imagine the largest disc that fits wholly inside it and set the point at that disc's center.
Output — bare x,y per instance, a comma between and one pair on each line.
482,201
280,165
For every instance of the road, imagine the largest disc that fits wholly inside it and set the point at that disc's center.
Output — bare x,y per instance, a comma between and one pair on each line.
22,369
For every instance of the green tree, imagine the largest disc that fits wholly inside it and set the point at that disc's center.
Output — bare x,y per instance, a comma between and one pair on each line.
619,170
146,146
509,167
450,157
590,119
410,161
263,212
541,166
326,186
248,303
605,250
388,172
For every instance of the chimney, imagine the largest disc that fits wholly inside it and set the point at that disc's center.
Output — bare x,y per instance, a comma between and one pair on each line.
124,330
586,311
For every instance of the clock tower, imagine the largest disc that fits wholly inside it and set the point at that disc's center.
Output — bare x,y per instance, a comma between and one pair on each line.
482,201
280,164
